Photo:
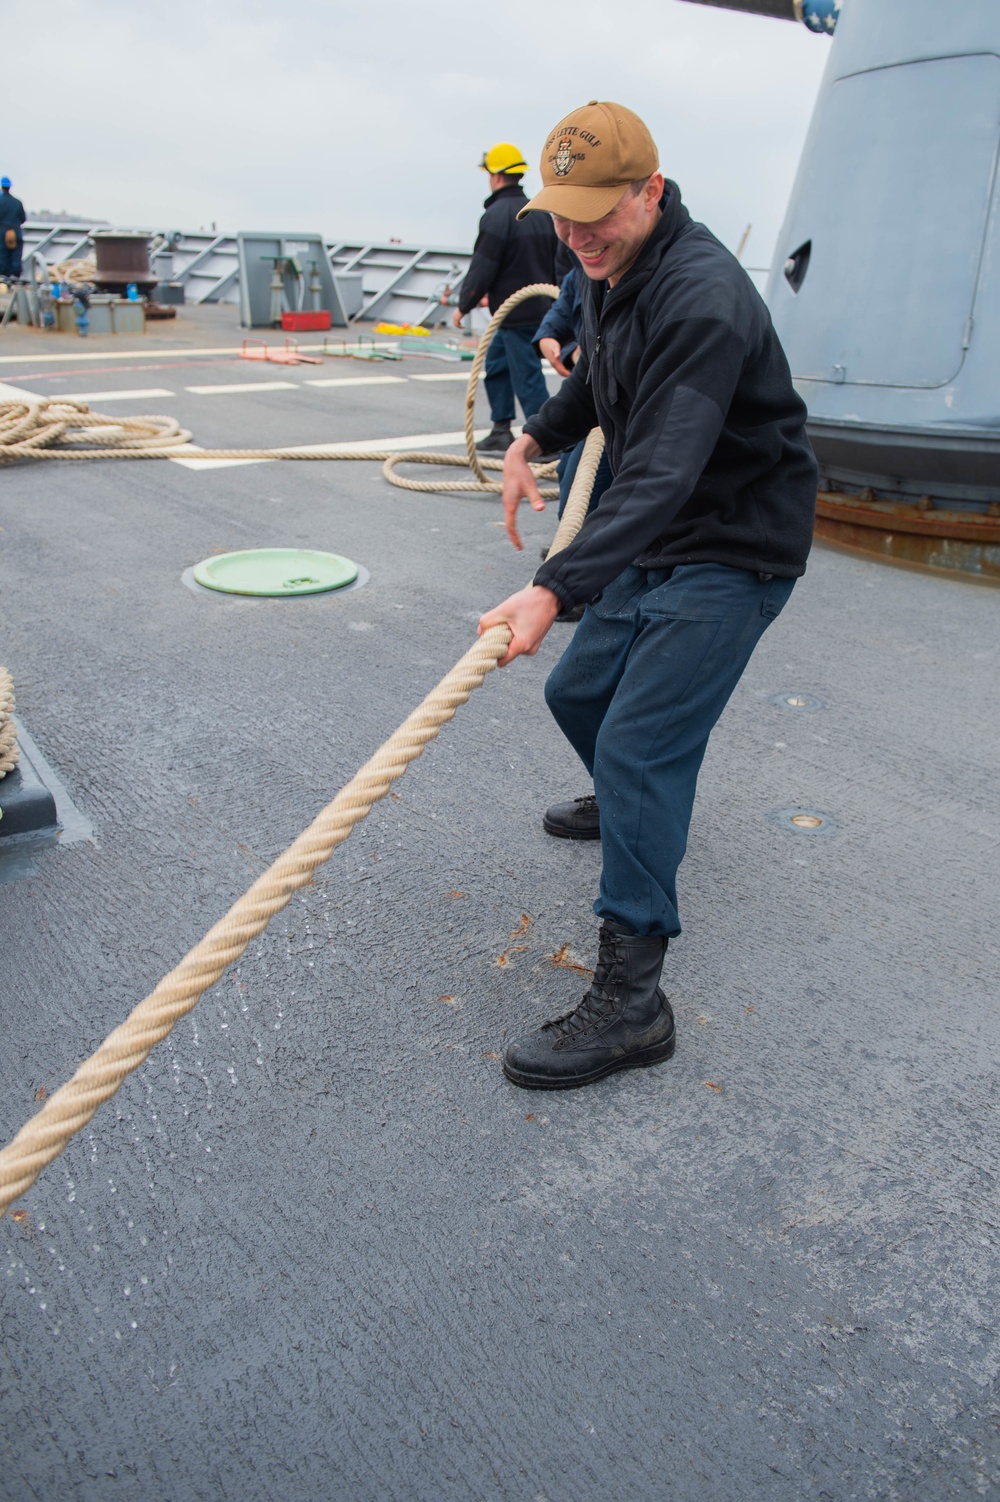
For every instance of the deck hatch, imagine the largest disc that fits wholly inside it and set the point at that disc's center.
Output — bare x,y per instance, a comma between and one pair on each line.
276,572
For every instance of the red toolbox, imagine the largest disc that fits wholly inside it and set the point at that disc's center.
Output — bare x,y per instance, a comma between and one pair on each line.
301,323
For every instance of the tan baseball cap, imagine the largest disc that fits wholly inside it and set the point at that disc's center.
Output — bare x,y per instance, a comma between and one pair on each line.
589,160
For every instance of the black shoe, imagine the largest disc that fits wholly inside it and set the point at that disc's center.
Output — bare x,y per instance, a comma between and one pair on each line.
572,615
623,1022
578,820
497,441
544,554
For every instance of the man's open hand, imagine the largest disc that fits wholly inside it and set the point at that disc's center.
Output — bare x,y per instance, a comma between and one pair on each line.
529,614
552,351
518,483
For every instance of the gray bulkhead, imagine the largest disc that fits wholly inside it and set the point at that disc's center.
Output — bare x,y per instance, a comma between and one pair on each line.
885,289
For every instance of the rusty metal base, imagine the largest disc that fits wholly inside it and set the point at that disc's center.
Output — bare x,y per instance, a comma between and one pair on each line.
962,543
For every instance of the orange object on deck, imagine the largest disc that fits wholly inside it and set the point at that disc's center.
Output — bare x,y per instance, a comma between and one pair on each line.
259,349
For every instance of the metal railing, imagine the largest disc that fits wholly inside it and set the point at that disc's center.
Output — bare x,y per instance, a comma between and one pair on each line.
401,283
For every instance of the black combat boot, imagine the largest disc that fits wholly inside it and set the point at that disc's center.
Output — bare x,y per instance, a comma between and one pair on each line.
579,819
497,441
624,1020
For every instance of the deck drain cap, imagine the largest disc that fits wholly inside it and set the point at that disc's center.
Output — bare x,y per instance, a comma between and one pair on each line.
793,699
811,821
276,572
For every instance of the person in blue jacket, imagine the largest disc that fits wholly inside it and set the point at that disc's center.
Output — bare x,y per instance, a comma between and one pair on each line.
690,554
12,216
558,341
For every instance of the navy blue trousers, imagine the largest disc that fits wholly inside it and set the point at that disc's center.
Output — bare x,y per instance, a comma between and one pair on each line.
637,693
10,260
514,367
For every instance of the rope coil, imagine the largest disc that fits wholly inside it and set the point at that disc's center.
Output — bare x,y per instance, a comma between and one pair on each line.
44,1136
52,429
10,751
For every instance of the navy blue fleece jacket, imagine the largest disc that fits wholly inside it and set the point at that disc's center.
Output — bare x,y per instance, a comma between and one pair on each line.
682,369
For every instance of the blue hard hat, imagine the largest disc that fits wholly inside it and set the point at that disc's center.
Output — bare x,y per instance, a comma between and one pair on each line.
4,182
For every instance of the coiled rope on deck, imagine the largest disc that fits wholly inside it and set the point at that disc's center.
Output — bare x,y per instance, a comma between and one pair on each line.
48,428
44,1136
9,750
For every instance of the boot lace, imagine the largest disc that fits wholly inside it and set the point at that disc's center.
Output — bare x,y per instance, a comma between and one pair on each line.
598,1003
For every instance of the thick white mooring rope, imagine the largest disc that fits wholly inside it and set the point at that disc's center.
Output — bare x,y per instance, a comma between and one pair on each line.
45,1135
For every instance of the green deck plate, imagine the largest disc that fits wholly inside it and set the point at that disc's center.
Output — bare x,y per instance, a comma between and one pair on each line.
276,572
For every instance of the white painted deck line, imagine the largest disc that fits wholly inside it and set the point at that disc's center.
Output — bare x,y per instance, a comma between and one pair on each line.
159,354
412,441
444,375
358,381
394,445
107,396
237,388
192,448
137,354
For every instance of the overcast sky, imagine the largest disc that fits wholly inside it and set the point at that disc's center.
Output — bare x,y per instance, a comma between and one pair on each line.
369,120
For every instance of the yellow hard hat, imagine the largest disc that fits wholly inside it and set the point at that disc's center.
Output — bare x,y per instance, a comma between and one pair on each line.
504,158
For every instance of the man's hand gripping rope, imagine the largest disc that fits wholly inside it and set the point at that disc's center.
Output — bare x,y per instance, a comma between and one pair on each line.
531,611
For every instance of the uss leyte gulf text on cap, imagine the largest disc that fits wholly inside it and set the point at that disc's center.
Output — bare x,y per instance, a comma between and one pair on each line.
590,159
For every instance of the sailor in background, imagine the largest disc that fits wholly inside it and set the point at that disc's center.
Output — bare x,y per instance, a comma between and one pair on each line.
509,254
690,554
12,216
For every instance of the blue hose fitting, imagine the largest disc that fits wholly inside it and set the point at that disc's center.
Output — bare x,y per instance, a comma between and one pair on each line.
819,15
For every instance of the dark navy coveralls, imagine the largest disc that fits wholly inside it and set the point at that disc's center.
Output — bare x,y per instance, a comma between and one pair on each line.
12,216
510,254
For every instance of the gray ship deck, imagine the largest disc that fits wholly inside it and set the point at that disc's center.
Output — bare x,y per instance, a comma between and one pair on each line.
317,1246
